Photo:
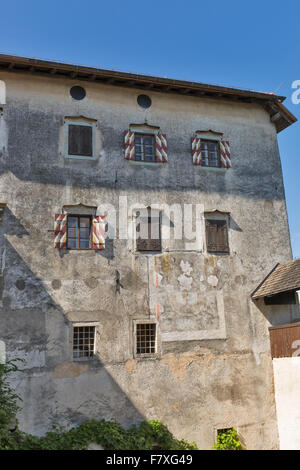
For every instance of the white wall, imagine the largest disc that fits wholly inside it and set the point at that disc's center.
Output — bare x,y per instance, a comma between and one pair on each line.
2,92
287,397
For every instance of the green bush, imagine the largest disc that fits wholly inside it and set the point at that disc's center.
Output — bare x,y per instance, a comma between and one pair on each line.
110,435
228,439
8,407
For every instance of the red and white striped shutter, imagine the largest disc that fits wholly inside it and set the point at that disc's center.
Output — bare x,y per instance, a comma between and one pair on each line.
225,154
161,148
98,229
60,231
129,145
196,151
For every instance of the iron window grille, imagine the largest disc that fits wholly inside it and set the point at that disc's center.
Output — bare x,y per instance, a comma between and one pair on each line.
83,341
145,338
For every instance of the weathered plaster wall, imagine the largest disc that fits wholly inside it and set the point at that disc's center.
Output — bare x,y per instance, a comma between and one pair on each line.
215,369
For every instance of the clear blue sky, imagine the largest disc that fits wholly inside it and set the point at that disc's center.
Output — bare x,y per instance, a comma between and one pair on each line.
248,44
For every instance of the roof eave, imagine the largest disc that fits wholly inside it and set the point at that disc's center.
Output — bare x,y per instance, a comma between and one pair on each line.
281,279
281,117
255,297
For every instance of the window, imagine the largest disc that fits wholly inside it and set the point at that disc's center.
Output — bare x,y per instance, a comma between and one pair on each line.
77,92
142,144
83,341
210,153
80,139
217,236
146,342
145,338
148,232
144,101
79,232
144,147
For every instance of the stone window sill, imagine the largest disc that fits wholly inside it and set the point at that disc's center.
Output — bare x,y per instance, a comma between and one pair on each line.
81,157
213,169
144,164
147,357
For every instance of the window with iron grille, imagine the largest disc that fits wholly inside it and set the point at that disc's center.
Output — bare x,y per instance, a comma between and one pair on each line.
217,236
145,338
148,232
83,341
210,153
79,232
80,139
144,147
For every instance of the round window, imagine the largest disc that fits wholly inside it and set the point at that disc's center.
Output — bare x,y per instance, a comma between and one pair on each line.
144,101
77,92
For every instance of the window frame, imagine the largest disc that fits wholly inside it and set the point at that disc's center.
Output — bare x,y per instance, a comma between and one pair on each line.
142,321
70,122
210,219
95,325
143,154
78,216
217,143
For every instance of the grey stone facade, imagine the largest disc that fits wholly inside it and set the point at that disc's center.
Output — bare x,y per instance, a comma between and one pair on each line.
213,367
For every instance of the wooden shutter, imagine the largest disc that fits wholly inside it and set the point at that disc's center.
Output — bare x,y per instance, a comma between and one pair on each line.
129,145
60,231
141,243
211,235
154,231
222,236
150,244
196,151
217,236
98,232
80,140
225,154
161,148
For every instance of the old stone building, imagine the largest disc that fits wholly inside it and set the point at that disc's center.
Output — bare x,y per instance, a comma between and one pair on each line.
128,328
